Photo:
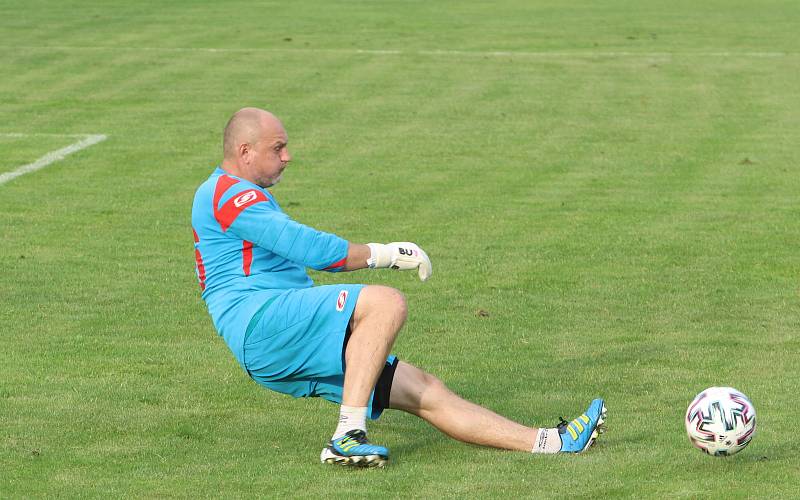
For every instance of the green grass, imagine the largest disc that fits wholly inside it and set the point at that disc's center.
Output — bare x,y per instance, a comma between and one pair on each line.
618,191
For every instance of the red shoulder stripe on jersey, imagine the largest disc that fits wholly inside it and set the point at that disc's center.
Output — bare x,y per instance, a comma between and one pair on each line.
247,256
223,183
201,269
231,209
340,263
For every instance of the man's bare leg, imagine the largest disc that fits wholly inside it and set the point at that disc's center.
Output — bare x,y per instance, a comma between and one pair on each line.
378,316
425,396
422,394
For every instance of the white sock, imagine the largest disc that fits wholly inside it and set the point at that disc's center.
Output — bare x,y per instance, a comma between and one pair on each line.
547,441
350,418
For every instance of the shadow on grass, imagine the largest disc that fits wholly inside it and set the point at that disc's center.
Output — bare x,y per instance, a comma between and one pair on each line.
423,441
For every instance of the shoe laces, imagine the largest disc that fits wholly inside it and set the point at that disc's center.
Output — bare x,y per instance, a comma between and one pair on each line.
358,436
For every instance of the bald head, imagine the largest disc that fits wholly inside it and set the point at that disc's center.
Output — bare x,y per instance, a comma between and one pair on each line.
247,126
255,147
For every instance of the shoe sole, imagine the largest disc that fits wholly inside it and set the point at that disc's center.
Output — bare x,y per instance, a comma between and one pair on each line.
361,461
598,429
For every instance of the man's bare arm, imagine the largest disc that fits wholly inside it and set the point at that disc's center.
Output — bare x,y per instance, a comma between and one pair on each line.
357,255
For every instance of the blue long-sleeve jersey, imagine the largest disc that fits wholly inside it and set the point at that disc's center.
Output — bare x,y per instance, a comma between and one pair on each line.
247,250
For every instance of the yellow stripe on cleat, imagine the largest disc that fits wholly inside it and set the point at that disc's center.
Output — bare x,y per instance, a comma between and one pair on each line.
572,433
577,425
585,419
348,446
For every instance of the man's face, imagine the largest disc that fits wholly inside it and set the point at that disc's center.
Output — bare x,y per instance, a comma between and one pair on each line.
269,156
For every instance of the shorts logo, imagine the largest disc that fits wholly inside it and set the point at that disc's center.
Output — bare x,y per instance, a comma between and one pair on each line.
244,198
340,302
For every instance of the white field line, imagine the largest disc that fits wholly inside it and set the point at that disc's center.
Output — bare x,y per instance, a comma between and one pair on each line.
445,53
40,134
53,156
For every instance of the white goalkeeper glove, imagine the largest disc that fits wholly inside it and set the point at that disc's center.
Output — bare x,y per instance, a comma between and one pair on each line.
402,255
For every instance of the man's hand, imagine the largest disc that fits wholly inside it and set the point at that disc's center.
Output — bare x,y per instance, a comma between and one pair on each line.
402,255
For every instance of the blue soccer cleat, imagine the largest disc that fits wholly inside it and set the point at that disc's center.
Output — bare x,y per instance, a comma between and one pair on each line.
580,434
353,449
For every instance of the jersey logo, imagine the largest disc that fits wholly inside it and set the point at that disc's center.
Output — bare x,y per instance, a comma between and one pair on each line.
341,301
231,209
244,198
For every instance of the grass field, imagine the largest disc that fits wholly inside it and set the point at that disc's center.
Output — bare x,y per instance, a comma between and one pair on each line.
608,191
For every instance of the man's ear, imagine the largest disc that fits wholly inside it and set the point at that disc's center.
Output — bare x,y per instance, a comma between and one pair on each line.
245,152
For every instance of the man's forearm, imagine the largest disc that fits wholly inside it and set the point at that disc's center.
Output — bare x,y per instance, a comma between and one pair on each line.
357,255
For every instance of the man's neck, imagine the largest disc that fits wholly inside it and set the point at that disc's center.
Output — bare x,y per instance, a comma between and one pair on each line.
231,168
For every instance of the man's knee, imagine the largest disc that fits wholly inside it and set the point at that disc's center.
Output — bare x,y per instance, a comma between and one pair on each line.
383,301
433,386
415,390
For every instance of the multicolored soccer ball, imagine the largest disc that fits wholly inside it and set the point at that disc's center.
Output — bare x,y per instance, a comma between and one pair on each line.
721,421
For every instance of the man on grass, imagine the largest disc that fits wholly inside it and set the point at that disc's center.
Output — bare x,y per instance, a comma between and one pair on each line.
327,341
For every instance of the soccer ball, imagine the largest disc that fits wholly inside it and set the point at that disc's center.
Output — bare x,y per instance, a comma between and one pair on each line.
721,421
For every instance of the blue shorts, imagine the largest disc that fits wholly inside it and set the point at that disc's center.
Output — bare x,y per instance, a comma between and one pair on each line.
295,345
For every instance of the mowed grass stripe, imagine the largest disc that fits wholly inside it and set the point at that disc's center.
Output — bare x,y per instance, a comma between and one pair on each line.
441,52
515,26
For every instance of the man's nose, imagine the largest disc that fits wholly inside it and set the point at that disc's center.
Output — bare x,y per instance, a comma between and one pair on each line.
287,156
